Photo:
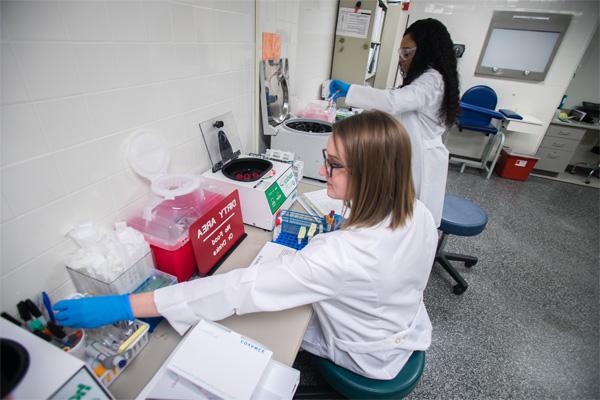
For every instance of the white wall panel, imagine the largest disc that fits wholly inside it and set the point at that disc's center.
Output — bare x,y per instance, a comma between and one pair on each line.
86,20
126,20
11,81
66,122
32,20
158,17
78,79
45,272
20,134
30,185
49,69
31,234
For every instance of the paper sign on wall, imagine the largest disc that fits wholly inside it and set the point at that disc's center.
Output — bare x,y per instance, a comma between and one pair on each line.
353,24
271,46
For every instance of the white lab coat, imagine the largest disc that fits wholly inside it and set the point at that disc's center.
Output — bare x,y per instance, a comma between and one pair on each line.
416,106
365,284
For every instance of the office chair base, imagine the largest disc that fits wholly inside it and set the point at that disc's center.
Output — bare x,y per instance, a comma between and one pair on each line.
468,260
458,289
461,284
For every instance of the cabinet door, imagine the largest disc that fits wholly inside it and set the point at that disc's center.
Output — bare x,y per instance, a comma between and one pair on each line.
351,54
558,143
565,132
553,160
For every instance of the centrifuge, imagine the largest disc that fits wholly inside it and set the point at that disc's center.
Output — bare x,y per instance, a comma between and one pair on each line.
302,136
264,186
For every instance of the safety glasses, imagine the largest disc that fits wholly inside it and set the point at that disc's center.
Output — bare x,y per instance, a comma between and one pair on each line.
406,52
330,166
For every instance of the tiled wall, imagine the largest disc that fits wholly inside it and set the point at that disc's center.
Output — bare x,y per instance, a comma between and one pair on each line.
307,31
77,79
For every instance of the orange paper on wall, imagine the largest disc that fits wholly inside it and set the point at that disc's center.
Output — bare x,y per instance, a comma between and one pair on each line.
271,46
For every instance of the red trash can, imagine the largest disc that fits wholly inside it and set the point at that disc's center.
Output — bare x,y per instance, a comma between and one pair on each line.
515,166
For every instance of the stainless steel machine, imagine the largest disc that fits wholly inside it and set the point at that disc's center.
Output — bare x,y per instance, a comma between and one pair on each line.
304,137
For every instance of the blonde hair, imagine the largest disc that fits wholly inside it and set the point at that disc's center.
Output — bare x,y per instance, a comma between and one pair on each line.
377,150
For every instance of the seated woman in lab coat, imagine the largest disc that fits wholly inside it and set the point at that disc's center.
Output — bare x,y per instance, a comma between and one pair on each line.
427,104
364,281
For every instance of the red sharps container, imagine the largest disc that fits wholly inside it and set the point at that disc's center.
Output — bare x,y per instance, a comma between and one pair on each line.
176,202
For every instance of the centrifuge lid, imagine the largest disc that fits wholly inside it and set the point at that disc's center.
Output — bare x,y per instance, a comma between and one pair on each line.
148,155
276,93
214,141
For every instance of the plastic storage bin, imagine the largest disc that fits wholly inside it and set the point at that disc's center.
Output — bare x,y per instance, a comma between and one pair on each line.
166,229
515,166
158,280
129,280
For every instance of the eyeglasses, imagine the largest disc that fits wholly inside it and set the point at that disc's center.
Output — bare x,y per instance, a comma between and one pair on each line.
406,52
329,166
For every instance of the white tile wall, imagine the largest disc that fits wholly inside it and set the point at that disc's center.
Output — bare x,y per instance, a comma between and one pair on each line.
78,79
307,31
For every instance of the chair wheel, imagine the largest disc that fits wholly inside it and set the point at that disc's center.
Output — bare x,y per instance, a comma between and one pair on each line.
469,264
459,289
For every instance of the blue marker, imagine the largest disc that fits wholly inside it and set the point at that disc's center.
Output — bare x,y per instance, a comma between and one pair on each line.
48,305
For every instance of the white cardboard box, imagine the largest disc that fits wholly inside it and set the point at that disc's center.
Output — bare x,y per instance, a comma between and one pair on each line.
213,362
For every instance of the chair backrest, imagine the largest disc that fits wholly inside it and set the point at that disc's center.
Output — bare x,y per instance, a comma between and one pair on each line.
481,96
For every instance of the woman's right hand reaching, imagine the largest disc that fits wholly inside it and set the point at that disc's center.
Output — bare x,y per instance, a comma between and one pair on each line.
92,312
338,89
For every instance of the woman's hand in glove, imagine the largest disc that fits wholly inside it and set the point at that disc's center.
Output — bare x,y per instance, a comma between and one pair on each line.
92,312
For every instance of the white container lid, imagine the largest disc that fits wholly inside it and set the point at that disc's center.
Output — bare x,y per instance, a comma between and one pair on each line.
148,155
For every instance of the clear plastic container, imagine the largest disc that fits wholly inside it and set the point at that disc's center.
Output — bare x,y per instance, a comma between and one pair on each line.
166,229
158,280
320,109
128,281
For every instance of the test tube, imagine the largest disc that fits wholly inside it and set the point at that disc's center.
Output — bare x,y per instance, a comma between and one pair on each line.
301,234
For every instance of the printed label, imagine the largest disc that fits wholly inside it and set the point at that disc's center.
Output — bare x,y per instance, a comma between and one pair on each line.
287,182
275,197
213,234
521,163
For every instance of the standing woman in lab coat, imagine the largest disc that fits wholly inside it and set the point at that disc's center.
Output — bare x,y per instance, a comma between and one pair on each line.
427,104
365,281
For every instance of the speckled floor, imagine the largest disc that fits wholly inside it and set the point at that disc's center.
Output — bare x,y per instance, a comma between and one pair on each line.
528,325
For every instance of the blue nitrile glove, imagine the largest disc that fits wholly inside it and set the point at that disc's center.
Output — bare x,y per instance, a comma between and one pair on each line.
92,312
337,89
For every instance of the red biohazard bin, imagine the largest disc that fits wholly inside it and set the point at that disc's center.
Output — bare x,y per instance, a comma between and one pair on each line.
166,226
515,166
176,202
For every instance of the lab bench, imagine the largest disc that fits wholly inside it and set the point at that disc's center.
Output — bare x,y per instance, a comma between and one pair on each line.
281,331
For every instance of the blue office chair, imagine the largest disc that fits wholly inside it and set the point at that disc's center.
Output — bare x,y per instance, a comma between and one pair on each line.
478,109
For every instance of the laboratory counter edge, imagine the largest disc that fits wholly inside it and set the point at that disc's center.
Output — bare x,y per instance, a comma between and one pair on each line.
280,331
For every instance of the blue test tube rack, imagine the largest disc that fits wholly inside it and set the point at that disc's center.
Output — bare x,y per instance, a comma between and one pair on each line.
292,221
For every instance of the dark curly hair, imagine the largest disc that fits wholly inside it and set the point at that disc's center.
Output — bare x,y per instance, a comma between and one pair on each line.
434,50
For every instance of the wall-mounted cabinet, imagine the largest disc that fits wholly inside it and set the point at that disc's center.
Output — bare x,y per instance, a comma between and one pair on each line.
358,41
